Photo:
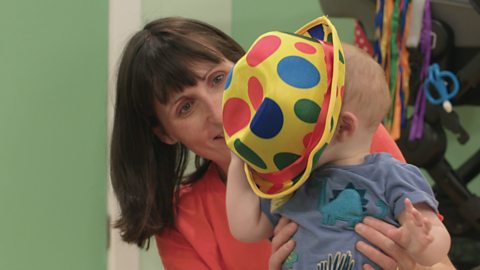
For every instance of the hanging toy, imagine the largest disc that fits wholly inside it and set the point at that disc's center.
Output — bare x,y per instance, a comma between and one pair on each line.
418,118
439,80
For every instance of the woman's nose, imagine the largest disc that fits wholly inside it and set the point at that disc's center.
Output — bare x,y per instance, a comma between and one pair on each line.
215,108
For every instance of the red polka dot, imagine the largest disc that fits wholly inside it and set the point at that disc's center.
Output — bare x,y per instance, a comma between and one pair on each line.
255,92
306,139
261,50
305,48
236,115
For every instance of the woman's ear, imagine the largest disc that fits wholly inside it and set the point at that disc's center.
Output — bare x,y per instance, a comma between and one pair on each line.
163,136
347,125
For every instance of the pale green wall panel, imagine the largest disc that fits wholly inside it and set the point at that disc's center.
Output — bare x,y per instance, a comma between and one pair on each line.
456,153
252,18
215,12
53,73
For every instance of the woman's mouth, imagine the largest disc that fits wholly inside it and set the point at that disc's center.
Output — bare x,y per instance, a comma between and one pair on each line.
219,137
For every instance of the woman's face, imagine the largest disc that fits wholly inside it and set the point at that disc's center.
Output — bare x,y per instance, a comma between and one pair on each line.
193,117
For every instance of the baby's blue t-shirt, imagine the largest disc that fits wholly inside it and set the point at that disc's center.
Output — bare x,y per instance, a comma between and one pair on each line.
335,198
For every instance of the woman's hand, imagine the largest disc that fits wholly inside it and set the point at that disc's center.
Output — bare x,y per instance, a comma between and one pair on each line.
375,231
282,244
393,256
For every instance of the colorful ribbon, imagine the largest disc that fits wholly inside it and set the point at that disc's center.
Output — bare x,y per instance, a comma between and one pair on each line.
416,130
391,24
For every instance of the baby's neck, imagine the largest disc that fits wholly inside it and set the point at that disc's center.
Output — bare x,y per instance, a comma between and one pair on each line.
352,159
351,151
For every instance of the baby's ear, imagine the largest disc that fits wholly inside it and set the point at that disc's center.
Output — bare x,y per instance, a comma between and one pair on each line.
346,127
163,136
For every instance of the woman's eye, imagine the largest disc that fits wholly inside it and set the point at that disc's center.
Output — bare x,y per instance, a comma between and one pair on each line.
218,79
185,108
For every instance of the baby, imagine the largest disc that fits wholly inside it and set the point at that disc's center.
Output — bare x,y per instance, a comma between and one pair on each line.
298,139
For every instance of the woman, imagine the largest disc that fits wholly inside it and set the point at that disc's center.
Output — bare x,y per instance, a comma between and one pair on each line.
168,101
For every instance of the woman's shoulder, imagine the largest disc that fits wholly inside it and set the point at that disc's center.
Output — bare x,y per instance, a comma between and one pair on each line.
209,183
383,142
198,204
191,243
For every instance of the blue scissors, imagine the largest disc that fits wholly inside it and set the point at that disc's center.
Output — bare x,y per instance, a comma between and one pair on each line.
437,79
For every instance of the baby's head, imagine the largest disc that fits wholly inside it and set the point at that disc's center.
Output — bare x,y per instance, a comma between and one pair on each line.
366,100
366,90
281,104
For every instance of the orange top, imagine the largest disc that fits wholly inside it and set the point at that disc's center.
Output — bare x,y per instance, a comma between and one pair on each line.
202,240
383,142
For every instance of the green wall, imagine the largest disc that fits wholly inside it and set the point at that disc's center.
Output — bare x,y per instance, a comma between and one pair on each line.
251,18
456,153
53,74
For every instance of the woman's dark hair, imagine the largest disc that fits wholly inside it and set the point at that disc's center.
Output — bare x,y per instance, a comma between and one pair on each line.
145,172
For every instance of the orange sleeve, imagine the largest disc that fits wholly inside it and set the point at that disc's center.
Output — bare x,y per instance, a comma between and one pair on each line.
382,142
177,253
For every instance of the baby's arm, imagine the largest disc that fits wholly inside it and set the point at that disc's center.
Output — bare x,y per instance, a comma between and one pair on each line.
422,234
245,218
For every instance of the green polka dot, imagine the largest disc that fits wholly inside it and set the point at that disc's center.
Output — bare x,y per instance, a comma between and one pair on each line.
340,55
248,154
307,110
330,38
283,160
332,124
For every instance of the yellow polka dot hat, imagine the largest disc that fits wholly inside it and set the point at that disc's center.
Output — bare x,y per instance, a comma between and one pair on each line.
281,104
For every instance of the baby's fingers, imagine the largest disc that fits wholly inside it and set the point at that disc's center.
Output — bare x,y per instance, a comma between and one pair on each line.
427,225
417,217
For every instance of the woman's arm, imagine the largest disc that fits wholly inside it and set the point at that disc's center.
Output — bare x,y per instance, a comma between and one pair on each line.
245,218
282,244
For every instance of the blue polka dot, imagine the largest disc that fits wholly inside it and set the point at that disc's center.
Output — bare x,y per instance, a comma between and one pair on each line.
317,32
268,120
298,72
229,79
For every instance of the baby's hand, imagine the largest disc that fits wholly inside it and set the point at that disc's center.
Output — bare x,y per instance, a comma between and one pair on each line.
415,233
234,157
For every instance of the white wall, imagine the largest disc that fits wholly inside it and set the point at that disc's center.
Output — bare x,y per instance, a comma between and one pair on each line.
124,19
